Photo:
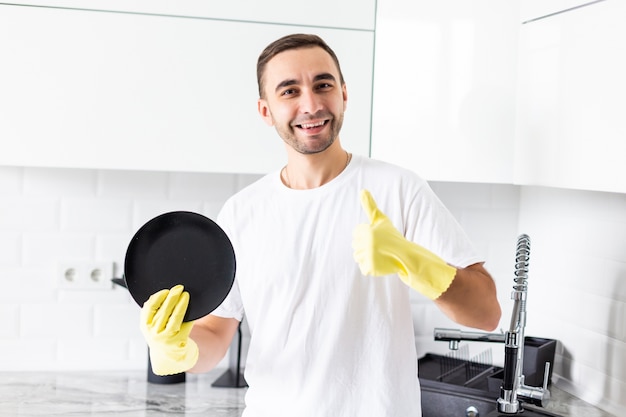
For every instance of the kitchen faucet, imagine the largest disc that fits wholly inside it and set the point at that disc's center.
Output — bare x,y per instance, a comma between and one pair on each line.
513,390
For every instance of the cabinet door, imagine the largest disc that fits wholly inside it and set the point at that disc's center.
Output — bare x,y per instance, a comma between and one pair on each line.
347,14
539,9
570,121
444,88
110,90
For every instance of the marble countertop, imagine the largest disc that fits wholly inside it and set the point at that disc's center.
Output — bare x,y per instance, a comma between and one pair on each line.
566,405
129,394
125,394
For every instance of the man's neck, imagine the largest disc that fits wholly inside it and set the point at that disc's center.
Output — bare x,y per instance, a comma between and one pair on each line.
307,171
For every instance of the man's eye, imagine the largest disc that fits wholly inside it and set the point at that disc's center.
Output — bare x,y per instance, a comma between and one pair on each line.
324,86
288,92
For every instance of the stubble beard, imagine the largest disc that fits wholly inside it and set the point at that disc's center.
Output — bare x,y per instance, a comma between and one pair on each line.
288,133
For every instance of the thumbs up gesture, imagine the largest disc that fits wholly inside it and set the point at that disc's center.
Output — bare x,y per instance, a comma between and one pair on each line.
380,249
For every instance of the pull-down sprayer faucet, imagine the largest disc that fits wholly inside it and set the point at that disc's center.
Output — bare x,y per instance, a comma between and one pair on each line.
513,390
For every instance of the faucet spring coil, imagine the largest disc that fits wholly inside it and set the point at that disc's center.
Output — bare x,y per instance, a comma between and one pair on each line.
522,256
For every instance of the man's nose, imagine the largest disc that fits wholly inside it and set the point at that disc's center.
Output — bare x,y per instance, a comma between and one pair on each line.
310,102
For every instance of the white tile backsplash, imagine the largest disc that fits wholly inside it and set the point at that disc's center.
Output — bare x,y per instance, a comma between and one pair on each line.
10,248
46,249
54,183
10,321
21,354
577,281
57,321
23,214
577,286
116,320
11,181
577,277
133,185
185,186
95,216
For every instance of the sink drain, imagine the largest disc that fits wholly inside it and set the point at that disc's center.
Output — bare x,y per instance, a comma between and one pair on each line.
471,411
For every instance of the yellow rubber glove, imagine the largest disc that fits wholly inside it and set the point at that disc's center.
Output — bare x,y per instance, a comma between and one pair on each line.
171,349
380,249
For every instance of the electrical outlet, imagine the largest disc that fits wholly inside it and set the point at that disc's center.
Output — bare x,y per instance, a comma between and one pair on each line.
85,275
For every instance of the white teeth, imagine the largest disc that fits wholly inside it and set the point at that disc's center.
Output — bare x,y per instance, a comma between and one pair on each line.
311,125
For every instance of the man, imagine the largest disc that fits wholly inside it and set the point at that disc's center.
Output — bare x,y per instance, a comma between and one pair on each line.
328,249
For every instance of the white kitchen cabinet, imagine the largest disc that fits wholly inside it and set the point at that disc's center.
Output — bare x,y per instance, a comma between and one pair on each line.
444,86
539,9
350,14
86,89
570,116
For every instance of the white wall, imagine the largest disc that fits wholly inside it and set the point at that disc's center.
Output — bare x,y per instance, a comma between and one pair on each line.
577,280
49,216
576,284
578,287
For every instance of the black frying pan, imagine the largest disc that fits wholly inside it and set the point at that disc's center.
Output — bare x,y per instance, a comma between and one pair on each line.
185,248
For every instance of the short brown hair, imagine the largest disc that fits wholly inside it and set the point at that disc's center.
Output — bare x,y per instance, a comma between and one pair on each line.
294,41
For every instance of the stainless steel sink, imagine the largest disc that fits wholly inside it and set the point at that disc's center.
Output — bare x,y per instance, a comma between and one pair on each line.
446,400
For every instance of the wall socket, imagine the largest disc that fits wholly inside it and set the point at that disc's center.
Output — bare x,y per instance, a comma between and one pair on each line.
85,275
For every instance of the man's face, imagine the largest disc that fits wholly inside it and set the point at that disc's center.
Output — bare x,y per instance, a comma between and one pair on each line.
304,99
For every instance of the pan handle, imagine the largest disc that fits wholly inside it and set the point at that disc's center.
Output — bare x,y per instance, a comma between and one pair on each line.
120,281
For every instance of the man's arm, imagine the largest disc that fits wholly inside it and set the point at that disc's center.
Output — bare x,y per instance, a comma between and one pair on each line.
213,336
471,300
466,295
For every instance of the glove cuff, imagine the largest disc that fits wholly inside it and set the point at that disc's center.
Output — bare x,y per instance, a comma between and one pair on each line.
426,272
174,360
431,284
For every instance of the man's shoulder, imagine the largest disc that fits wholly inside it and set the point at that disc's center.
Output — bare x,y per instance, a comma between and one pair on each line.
380,167
260,185
252,193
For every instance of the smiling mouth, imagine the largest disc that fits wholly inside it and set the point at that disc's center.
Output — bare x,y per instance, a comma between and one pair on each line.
311,125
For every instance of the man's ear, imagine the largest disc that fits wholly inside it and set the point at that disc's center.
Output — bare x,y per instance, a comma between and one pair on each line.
344,92
264,111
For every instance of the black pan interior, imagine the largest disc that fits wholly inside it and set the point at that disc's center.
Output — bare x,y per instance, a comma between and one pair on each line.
185,248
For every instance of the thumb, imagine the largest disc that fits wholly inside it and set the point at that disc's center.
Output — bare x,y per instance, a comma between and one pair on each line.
369,205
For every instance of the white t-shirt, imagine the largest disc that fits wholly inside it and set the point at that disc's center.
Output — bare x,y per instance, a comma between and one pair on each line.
326,340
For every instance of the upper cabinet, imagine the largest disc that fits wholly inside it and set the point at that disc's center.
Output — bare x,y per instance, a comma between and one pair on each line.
570,114
164,89
539,9
444,86
347,14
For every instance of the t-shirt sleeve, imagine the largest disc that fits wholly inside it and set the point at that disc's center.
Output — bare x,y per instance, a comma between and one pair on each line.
232,306
430,224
